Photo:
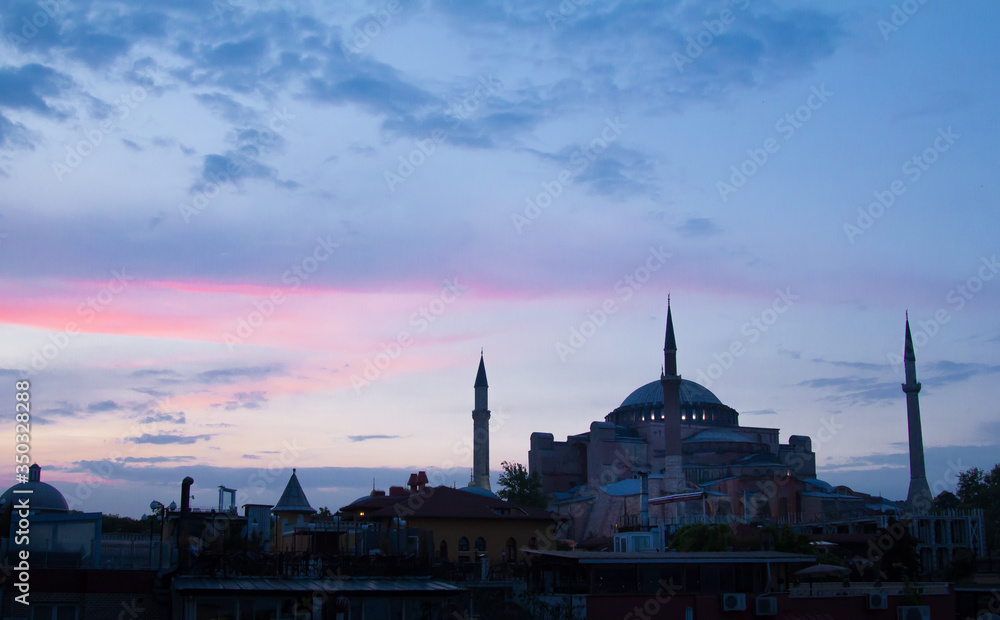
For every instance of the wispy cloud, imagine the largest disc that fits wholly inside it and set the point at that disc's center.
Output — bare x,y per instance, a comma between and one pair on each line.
167,438
356,438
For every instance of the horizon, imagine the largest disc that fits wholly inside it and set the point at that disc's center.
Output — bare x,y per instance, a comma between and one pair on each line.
259,233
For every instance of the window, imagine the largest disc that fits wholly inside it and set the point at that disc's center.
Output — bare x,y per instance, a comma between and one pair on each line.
463,545
443,553
481,545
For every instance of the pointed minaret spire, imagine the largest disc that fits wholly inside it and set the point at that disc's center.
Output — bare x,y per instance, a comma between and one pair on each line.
481,376
908,345
669,345
669,444
481,431
919,495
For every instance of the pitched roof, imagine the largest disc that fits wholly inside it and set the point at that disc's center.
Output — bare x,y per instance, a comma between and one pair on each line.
293,499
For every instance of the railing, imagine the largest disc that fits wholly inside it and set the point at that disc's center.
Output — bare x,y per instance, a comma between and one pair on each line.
134,554
831,589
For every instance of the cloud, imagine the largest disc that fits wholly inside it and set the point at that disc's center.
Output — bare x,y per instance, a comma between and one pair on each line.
699,227
156,459
29,87
245,400
171,417
856,390
759,412
167,438
373,86
357,438
102,406
949,372
226,107
96,49
231,375
843,364
13,135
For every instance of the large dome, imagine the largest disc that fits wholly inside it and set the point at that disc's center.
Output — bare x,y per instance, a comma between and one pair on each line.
699,406
652,394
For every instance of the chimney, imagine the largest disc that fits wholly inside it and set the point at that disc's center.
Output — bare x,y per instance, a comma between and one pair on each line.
186,495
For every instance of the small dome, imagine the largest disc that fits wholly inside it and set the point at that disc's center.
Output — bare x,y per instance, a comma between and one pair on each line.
43,497
479,491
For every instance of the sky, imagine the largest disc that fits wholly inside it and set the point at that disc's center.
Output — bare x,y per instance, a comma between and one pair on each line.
239,237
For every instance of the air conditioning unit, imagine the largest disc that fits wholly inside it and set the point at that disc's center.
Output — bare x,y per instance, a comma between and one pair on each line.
766,606
734,602
913,612
878,600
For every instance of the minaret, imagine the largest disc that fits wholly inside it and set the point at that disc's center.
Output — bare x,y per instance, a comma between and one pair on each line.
919,496
673,471
481,432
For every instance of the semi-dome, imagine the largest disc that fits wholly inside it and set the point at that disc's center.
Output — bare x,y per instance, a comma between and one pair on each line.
699,406
43,497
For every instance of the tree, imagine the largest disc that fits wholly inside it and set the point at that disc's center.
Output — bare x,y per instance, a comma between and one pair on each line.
702,537
979,489
323,512
946,500
128,525
517,486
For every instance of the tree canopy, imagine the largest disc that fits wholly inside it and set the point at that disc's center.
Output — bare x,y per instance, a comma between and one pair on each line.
979,489
517,486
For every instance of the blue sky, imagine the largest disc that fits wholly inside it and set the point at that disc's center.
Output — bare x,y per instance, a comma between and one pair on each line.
242,236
